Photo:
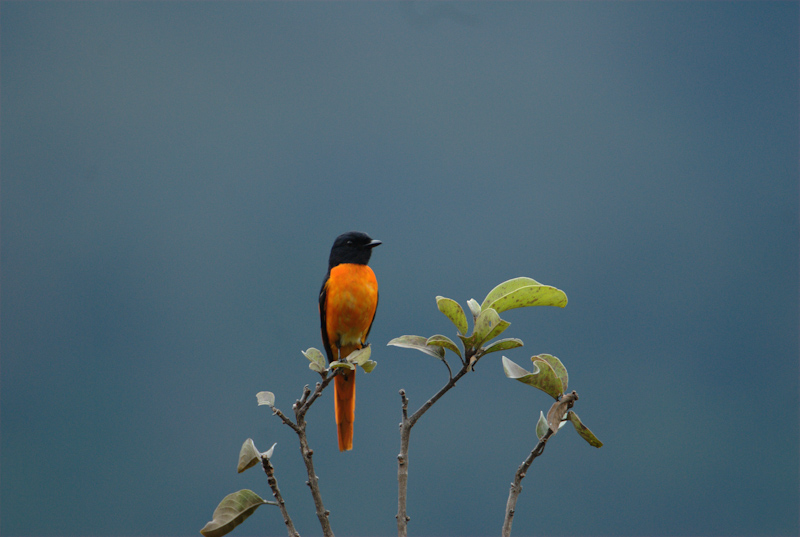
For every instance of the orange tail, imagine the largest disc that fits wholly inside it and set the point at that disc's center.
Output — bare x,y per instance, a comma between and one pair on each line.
344,396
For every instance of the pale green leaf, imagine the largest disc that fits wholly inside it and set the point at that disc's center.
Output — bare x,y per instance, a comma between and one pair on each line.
513,371
419,343
506,288
558,367
503,345
265,398
584,431
444,341
248,456
368,366
232,511
358,357
316,358
454,312
541,426
532,295
268,453
345,365
475,308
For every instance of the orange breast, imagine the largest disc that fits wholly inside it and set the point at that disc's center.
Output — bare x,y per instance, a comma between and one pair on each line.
352,297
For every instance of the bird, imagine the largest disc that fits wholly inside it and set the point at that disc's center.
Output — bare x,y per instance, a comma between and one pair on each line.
347,304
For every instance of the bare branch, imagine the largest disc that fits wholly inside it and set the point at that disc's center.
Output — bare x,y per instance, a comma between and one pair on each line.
404,400
450,384
405,434
402,470
301,407
273,484
307,402
285,420
516,486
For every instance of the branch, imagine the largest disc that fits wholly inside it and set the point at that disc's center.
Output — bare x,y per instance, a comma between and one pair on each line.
306,401
301,407
554,417
285,420
516,486
449,371
450,384
405,433
273,484
402,470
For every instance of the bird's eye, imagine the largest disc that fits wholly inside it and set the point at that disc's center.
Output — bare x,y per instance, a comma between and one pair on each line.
349,243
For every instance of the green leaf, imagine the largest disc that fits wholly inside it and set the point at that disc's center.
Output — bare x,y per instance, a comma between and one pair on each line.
532,295
468,342
419,343
317,360
558,368
547,380
503,345
506,288
248,456
454,312
232,511
358,357
499,329
583,430
368,366
265,398
345,365
444,341
475,308
541,426
489,325
543,377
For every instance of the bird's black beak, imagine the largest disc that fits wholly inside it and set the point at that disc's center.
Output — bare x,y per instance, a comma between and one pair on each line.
373,243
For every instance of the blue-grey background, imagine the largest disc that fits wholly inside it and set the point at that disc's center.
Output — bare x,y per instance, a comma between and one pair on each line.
173,175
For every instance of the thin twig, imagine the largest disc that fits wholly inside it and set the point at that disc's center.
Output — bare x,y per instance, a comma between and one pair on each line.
405,433
273,484
285,419
404,400
301,407
307,402
516,486
449,371
402,470
429,403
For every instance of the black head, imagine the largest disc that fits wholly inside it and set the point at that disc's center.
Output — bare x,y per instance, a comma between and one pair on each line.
352,247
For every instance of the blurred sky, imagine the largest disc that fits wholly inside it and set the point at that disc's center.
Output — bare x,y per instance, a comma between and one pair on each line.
174,174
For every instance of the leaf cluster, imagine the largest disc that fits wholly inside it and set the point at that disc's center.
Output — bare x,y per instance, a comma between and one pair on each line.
550,376
486,322
356,358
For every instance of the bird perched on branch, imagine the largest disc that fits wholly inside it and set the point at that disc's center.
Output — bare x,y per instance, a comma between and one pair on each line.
347,303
